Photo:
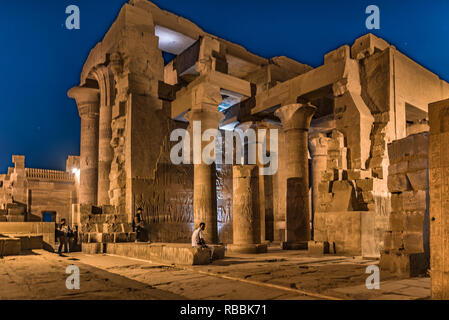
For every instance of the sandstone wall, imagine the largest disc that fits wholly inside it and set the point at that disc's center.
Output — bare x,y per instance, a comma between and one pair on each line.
406,246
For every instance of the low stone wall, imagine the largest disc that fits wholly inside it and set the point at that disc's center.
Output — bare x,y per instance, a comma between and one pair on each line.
29,241
406,249
28,231
171,253
351,231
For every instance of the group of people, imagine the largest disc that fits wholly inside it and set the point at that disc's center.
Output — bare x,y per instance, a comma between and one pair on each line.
68,237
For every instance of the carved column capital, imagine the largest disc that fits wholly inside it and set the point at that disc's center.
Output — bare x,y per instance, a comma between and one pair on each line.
318,146
206,95
87,100
296,116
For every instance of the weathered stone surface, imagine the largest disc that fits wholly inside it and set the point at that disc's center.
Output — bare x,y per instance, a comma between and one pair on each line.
10,246
92,248
438,186
406,245
344,229
318,247
172,253
35,230
29,242
246,220
406,264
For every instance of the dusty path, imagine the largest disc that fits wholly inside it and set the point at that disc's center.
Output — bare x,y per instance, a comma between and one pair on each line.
276,275
42,276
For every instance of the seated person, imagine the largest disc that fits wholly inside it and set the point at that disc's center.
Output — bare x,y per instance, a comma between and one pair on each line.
198,239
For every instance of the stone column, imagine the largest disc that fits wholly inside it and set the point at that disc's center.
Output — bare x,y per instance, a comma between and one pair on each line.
295,120
318,152
245,210
439,198
105,153
87,100
204,175
248,146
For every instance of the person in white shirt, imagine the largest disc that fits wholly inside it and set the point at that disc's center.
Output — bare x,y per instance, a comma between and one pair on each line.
198,239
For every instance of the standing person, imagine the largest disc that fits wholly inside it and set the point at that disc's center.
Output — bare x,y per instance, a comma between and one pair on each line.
198,239
138,227
63,232
73,238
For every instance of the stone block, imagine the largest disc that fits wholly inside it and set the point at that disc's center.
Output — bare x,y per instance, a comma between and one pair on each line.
328,176
341,186
323,187
405,264
112,227
92,248
398,183
29,242
246,248
219,251
397,168
378,172
397,221
358,174
388,241
343,229
95,237
108,209
170,253
418,164
414,200
131,236
396,202
421,144
121,237
10,246
365,184
15,218
318,247
396,241
414,221
16,211
418,179
413,242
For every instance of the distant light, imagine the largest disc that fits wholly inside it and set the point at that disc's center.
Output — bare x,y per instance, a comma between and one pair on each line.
77,173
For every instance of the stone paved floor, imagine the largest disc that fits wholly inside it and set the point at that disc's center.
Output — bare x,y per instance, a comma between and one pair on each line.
274,275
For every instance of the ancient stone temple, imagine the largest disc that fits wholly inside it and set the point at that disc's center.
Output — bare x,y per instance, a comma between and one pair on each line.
334,179
29,194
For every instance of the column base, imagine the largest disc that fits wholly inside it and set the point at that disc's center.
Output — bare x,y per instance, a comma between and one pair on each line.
300,245
247,248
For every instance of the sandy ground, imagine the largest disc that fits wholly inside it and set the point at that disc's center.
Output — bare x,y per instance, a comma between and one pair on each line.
275,275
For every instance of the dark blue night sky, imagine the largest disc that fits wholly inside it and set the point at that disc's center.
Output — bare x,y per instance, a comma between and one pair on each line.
41,59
